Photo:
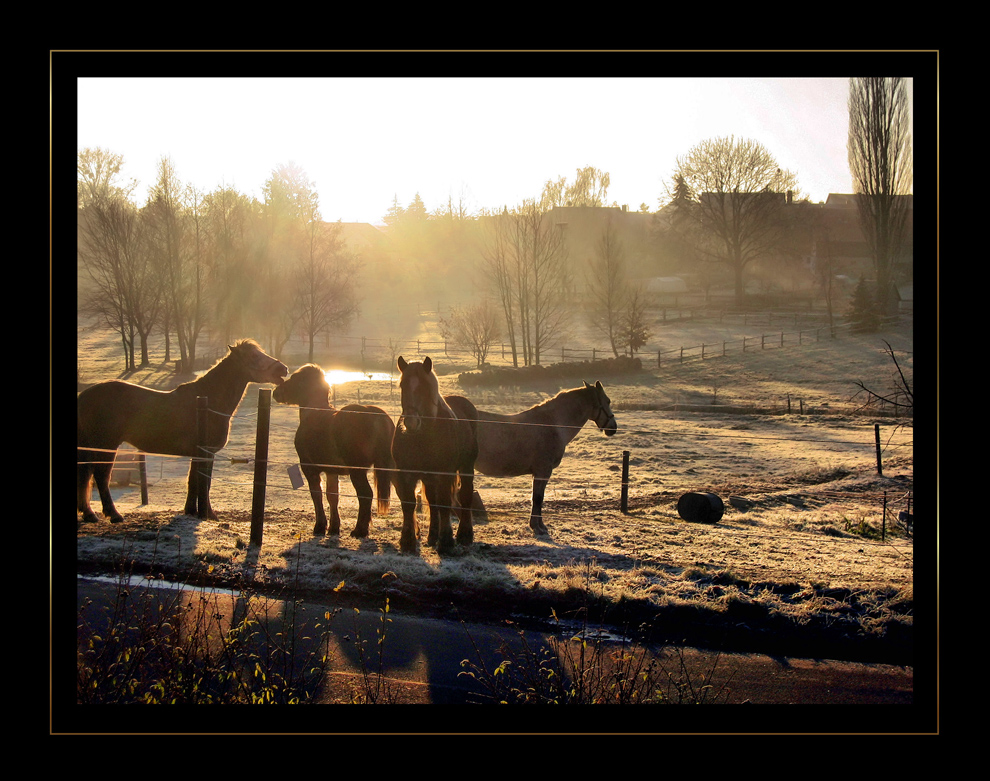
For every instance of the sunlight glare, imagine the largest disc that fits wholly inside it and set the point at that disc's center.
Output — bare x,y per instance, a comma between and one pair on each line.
340,376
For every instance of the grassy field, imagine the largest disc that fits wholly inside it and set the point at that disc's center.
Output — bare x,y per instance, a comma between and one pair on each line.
803,562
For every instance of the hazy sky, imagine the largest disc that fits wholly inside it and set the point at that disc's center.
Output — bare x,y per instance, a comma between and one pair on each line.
487,141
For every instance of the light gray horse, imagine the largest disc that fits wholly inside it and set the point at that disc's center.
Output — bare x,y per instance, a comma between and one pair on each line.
533,442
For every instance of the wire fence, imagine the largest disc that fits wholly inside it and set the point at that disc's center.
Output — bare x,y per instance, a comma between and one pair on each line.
245,454
808,328
368,352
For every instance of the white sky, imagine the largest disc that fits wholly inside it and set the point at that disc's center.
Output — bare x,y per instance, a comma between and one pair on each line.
488,141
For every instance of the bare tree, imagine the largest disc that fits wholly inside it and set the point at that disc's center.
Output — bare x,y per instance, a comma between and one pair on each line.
98,177
230,232
498,268
122,288
589,188
172,237
881,164
737,195
901,391
608,289
475,326
325,279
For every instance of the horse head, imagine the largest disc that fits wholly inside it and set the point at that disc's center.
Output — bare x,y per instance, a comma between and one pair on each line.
260,366
306,387
602,409
420,394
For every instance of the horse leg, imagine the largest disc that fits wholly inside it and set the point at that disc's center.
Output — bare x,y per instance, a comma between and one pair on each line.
316,492
429,498
200,471
333,499
465,498
84,489
405,489
440,495
101,476
536,519
359,479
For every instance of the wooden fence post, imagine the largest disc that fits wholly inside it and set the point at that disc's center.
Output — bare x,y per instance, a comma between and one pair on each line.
143,474
876,436
624,502
260,465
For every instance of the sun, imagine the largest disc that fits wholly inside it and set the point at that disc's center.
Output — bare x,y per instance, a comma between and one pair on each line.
340,376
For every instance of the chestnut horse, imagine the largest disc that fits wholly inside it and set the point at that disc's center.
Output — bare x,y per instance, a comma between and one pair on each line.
347,441
153,421
532,442
436,442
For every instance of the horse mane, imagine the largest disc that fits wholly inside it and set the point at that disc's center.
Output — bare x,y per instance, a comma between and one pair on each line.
556,397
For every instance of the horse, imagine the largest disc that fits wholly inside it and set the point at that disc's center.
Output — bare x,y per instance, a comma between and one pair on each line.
347,441
436,442
112,412
534,442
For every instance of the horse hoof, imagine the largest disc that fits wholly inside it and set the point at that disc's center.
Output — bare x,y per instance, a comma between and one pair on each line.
90,518
446,545
319,531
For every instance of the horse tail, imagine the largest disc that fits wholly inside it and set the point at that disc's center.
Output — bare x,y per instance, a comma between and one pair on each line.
383,462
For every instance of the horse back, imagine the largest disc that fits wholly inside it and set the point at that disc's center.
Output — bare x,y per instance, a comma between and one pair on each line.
519,444
154,421
364,436
467,432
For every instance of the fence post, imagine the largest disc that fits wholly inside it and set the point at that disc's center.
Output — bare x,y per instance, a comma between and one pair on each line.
876,436
202,485
260,465
624,502
143,474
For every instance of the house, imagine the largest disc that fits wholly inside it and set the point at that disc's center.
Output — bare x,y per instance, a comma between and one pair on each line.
841,242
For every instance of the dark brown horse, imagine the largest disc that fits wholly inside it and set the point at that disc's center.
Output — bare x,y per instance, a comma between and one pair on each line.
113,412
347,441
435,442
533,442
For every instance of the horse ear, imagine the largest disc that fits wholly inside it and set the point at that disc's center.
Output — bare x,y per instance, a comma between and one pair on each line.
598,384
587,384
402,364
427,363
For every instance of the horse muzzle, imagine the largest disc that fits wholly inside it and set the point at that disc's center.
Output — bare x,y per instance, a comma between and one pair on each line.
409,424
278,374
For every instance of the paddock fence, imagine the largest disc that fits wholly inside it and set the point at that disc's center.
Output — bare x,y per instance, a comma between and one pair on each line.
778,329
252,461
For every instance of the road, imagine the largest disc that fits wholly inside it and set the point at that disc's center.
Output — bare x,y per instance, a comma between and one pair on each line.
421,663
